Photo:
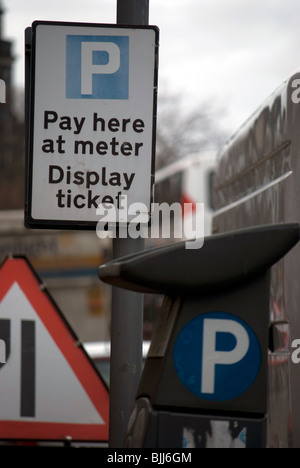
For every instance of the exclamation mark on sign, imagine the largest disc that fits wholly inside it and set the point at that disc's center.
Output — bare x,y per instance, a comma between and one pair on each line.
27,368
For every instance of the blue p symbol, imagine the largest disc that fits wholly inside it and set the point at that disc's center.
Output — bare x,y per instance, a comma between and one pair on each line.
217,356
97,67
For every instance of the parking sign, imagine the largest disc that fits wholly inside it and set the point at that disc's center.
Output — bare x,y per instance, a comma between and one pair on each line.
91,122
217,356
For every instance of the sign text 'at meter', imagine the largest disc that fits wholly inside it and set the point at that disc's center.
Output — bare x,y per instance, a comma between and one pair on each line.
91,120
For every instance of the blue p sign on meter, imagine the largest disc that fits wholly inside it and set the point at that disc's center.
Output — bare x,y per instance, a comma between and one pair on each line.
217,356
92,122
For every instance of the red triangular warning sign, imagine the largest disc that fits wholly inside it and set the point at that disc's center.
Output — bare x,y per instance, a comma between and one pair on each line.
49,388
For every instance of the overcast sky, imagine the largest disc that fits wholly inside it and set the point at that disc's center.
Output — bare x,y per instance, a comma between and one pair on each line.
233,53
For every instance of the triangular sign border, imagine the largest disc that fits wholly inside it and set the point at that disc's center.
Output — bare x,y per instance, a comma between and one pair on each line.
18,269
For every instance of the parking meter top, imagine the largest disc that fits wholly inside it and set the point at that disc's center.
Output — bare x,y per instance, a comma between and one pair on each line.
223,260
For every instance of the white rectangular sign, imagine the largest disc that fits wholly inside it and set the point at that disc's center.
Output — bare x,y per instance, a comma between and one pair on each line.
92,121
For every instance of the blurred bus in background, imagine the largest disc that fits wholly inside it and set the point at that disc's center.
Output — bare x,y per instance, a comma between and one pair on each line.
257,182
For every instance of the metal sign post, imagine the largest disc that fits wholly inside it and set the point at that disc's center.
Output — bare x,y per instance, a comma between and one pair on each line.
90,153
127,306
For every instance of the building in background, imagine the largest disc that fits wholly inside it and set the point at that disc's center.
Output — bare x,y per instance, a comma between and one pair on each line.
11,133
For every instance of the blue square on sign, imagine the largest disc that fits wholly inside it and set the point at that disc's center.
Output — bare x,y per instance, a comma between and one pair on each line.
97,67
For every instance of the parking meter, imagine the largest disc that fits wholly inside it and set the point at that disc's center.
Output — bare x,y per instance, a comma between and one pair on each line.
204,383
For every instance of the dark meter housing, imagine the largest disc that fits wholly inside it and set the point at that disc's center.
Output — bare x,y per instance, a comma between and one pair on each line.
204,383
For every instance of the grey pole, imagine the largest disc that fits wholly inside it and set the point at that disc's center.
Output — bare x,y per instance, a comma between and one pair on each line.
133,12
127,306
